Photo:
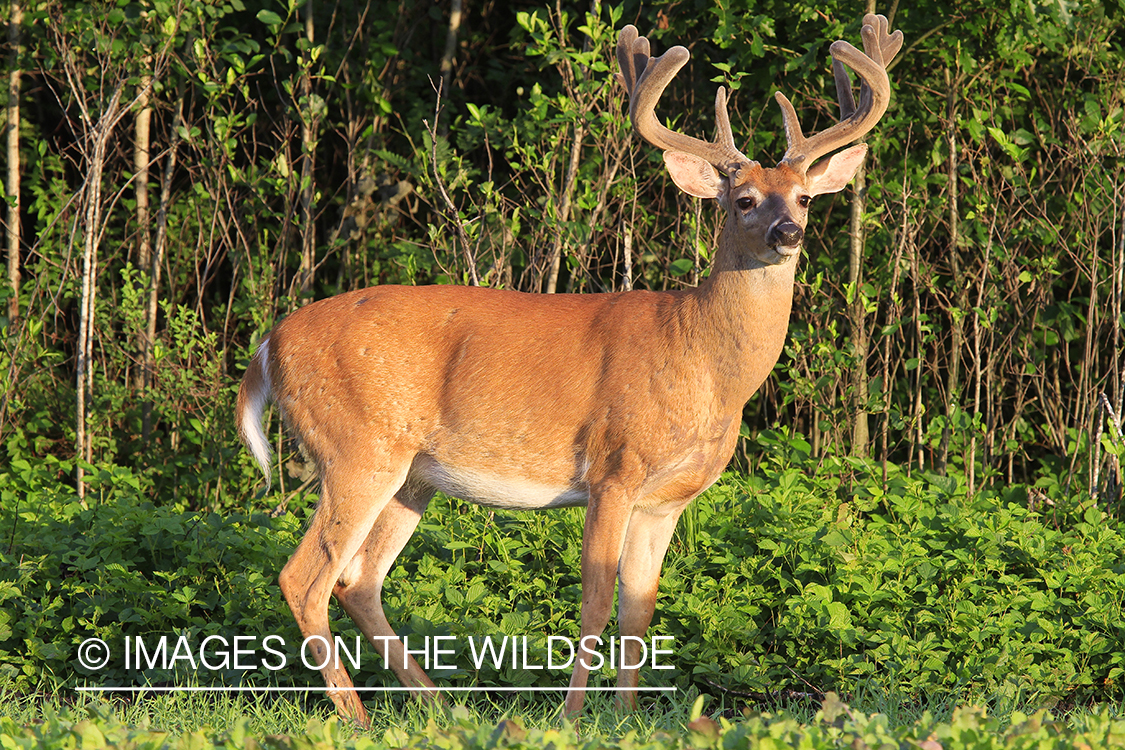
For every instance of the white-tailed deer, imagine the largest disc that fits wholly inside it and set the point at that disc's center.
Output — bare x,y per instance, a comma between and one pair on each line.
628,403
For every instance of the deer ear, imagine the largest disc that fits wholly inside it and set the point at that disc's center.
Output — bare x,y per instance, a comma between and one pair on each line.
834,173
694,175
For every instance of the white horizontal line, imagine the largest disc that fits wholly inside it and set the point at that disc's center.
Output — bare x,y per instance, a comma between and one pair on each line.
364,689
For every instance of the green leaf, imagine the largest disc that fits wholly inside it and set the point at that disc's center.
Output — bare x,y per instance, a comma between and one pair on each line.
681,266
838,616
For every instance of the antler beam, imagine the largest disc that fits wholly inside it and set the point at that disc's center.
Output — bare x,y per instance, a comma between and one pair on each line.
645,78
880,47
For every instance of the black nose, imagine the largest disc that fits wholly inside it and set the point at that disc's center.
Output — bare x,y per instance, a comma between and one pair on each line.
786,234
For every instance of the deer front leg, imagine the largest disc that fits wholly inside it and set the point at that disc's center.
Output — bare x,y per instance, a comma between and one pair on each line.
602,537
650,530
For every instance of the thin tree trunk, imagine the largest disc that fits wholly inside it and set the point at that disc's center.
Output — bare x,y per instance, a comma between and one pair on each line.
603,195
308,158
991,403
858,315
627,271
453,216
953,384
15,24
860,430
450,52
96,139
157,262
697,217
1086,386
627,228
1118,272
564,207
916,448
977,370
569,181
894,313
141,157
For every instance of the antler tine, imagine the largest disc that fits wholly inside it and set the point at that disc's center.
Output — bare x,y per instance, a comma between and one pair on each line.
632,52
645,78
844,89
888,44
880,47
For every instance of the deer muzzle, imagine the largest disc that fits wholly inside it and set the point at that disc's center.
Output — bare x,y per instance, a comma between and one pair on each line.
785,237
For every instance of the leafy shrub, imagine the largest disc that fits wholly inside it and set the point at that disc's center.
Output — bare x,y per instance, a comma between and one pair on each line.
124,567
835,578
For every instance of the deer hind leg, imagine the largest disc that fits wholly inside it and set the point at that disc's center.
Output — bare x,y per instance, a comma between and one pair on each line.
602,537
348,508
359,588
650,530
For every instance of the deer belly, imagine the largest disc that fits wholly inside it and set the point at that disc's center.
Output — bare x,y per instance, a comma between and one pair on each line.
511,492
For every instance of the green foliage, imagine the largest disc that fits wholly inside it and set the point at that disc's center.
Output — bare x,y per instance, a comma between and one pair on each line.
846,579
124,567
989,310
800,575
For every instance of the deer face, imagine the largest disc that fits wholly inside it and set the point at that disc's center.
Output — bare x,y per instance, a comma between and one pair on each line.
767,208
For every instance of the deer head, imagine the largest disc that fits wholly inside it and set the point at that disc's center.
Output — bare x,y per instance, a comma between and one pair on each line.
767,206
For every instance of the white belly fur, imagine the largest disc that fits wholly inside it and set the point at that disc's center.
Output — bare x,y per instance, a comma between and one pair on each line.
514,493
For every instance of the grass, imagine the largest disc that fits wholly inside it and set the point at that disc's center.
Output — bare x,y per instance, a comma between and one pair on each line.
292,714
289,714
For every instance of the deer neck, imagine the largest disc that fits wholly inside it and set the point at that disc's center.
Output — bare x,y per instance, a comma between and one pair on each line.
744,308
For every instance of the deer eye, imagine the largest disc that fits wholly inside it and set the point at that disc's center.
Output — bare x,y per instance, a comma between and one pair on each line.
746,203
804,201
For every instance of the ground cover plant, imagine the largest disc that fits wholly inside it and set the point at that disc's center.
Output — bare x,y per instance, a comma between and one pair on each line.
800,579
925,506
